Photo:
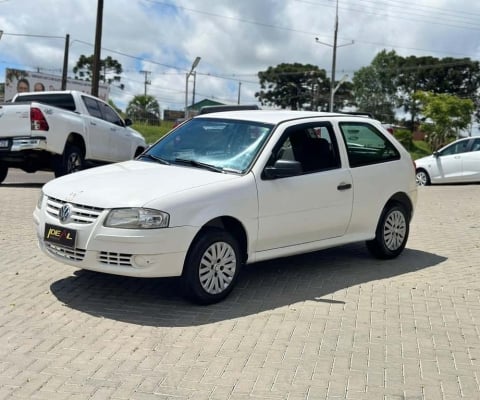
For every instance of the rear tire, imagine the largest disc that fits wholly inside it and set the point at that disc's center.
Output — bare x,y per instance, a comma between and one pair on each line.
212,266
70,161
392,233
3,172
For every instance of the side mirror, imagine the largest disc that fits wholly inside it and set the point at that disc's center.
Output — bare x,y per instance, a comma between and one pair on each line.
436,154
128,121
282,169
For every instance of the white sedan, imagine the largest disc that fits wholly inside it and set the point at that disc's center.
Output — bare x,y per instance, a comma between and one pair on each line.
230,188
458,162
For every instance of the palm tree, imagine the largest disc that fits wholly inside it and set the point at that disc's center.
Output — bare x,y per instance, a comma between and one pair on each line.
144,108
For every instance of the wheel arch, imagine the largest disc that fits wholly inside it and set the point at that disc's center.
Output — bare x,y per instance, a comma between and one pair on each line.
232,226
402,199
77,140
139,150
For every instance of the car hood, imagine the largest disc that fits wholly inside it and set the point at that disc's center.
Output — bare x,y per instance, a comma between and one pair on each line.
130,183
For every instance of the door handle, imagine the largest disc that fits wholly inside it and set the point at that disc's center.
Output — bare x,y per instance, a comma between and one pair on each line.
344,186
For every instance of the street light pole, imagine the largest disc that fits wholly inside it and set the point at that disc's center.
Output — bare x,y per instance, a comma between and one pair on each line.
194,84
334,57
194,65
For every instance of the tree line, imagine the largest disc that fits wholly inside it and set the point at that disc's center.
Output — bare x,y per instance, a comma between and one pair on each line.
437,95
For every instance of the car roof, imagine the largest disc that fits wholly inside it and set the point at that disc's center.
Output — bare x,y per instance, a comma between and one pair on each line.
274,116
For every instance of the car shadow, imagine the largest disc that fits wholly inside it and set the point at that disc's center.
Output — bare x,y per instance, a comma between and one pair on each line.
262,287
22,185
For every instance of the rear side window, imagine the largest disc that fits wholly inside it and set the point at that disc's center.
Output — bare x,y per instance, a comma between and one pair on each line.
60,100
366,145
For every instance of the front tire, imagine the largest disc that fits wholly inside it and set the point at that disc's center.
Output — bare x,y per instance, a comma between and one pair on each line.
3,172
392,233
422,178
212,266
69,162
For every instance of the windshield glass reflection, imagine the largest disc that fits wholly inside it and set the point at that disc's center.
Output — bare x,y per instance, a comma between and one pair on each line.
227,145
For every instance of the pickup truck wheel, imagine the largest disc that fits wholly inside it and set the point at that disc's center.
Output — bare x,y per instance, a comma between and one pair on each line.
3,172
71,161
211,267
391,234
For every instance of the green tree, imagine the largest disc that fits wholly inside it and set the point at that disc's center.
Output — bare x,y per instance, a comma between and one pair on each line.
445,115
459,77
295,86
375,86
144,108
110,69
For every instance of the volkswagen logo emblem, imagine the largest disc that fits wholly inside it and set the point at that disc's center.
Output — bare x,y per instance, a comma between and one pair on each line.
65,212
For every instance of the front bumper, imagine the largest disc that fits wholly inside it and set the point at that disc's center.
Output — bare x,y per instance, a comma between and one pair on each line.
146,253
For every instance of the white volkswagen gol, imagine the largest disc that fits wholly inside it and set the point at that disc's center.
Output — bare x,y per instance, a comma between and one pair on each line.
226,189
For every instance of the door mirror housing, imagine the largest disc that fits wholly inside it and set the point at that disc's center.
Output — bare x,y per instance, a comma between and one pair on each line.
282,169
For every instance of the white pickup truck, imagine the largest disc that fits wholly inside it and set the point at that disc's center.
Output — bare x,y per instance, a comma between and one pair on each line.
63,132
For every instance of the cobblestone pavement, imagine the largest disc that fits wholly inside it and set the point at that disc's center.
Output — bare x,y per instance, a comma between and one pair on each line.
335,324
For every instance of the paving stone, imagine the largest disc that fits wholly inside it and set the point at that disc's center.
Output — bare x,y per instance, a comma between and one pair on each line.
335,324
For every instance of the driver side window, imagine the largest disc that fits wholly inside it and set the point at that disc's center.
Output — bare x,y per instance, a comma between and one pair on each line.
456,148
313,146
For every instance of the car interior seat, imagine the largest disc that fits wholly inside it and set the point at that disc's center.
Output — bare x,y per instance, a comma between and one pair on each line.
312,152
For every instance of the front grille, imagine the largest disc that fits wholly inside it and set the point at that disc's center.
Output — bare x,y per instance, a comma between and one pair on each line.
80,214
119,259
65,252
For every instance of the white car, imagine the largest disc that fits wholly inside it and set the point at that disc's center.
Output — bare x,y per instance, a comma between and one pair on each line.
230,188
458,162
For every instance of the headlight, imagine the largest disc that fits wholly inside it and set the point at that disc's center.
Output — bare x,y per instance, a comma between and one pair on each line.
137,218
40,200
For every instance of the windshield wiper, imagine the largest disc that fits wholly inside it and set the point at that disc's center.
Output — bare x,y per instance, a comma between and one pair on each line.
199,164
154,158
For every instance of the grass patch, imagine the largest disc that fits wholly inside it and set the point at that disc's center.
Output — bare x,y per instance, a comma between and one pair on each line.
152,133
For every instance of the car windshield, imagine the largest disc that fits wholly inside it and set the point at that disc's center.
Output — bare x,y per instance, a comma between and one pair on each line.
220,145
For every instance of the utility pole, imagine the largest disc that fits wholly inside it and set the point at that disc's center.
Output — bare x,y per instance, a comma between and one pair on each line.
239,88
146,81
65,62
97,49
334,57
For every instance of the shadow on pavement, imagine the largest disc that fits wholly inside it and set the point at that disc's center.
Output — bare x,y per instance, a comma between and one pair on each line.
262,287
22,185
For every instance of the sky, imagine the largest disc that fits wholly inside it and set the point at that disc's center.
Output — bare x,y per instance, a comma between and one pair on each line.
235,39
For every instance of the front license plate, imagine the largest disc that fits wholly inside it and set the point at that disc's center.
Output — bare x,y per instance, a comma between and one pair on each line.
60,235
3,143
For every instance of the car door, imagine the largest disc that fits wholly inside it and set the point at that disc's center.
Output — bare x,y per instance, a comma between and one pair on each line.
471,162
98,131
120,137
313,205
448,163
